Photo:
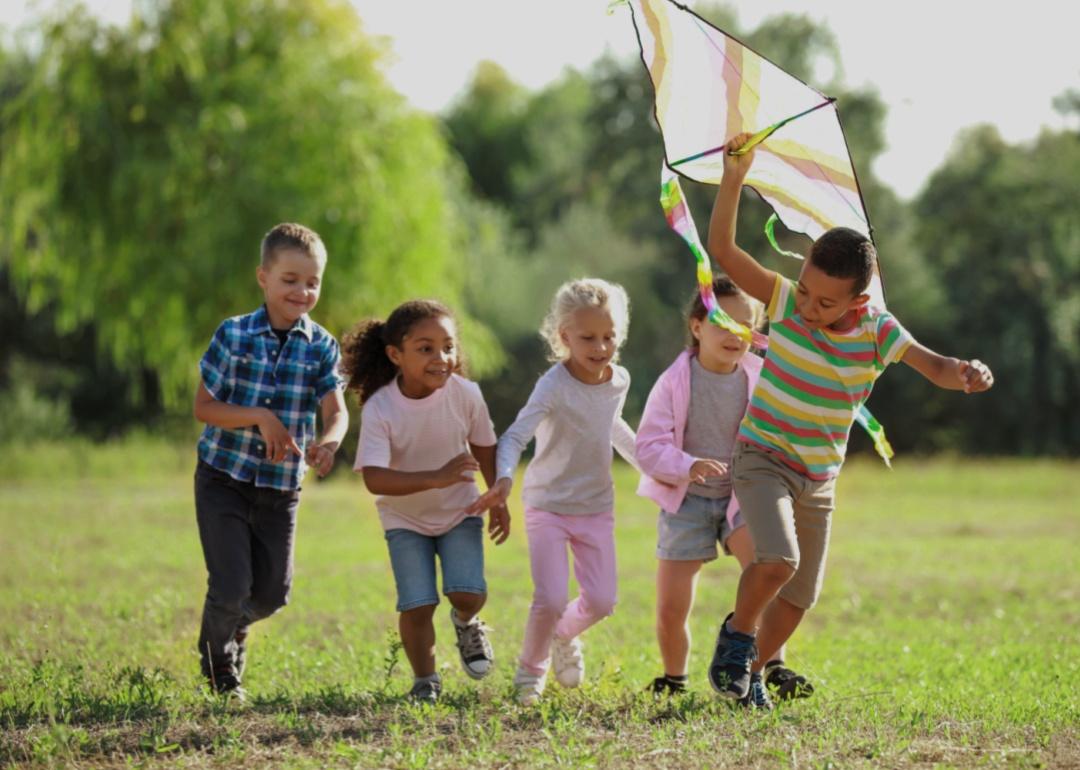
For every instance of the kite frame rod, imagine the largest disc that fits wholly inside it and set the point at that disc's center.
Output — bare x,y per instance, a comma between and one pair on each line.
757,138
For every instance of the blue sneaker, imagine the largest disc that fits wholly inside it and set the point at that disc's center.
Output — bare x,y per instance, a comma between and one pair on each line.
757,697
729,672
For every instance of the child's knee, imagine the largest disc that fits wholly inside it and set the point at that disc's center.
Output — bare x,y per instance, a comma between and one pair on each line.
601,606
551,602
776,572
670,617
466,602
418,616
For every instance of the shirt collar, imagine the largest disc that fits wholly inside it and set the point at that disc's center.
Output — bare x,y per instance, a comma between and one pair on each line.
260,323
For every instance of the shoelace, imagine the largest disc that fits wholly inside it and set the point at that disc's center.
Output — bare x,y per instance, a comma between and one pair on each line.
758,695
474,642
738,652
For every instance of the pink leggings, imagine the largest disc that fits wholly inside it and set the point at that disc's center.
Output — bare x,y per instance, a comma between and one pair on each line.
592,539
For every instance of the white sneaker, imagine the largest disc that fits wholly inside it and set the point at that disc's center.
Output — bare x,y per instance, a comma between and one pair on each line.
473,646
528,687
567,661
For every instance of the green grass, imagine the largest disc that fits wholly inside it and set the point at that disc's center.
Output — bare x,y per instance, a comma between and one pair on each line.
946,634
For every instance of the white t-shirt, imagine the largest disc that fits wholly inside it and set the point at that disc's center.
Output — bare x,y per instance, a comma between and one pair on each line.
575,425
423,434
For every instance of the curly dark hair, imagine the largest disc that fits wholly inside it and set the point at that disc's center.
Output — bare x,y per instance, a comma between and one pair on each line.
845,253
363,350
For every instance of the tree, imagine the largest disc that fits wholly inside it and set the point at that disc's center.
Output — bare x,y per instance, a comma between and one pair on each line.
141,166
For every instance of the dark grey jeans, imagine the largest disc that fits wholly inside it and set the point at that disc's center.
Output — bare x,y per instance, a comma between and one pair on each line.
247,535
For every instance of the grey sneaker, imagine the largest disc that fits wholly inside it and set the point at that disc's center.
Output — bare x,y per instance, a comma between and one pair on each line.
757,697
729,672
473,646
426,691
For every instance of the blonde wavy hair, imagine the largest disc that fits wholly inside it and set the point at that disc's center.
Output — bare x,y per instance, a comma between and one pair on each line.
584,293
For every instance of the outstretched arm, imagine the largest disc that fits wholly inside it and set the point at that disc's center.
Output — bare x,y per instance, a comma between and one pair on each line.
743,269
949,373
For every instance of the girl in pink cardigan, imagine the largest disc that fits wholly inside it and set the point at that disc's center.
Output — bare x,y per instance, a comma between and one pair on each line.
684,446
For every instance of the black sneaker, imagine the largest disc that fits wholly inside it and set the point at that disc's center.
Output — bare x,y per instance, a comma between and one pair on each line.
473,647
787,683
224,680
240,637
757,697
729,672
426,691
662,685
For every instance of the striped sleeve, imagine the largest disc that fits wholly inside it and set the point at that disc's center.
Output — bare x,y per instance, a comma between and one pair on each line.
782,302
893,340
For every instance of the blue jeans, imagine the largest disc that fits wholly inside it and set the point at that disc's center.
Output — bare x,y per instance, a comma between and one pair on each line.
461,555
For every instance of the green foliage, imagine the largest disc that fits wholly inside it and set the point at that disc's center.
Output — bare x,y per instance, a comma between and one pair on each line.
141,166
1000,223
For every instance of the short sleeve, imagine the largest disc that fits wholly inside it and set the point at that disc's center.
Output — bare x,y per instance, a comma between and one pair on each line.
481,429
893,340
215,364
782,302
373,449
329,378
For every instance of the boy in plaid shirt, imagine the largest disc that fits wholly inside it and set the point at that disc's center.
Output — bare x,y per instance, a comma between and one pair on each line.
264,376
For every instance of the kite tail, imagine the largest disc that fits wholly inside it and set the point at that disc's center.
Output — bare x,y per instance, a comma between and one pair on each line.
770,233
877,433
678,218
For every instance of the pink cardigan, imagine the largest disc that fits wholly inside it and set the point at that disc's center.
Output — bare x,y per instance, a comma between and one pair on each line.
665,467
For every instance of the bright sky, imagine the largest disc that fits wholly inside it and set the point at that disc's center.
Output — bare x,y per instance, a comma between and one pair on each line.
939,65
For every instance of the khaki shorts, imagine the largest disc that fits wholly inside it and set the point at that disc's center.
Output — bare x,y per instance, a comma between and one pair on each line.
789,517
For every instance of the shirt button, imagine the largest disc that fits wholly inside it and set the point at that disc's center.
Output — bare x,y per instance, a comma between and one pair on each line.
266,401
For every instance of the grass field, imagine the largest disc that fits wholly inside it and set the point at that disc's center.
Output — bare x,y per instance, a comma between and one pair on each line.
947,634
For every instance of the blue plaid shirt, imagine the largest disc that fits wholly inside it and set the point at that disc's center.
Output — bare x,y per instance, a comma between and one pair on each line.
244,366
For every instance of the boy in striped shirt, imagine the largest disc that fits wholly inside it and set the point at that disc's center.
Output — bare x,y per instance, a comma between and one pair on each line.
827,346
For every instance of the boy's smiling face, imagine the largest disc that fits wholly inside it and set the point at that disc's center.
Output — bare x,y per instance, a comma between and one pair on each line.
824,301
291,284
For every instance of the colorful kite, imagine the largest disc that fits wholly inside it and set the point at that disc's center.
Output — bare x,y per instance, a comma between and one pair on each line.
710,87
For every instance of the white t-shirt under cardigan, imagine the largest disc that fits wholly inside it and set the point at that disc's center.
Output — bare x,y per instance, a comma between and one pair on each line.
575,425
423,434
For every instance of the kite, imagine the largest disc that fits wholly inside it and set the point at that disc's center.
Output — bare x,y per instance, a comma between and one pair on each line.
709,87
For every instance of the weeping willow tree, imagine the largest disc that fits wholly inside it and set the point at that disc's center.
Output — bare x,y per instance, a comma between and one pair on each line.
140,166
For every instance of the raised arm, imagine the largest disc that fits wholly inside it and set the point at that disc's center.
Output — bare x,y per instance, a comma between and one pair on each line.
948,373
742,268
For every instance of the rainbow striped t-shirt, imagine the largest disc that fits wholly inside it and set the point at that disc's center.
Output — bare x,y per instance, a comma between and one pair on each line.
814,381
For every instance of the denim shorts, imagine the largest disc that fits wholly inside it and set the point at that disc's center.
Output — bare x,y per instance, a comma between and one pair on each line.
692,532
461,555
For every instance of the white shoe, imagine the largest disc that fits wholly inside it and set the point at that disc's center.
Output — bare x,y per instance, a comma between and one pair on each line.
528,687
567,661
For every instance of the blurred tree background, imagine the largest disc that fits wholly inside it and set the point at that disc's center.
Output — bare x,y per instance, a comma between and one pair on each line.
140,166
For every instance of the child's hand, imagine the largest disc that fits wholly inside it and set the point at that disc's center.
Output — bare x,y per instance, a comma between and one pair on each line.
976,376
499,524
496,496
703,469
279,442
737,166
457,470
321,456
